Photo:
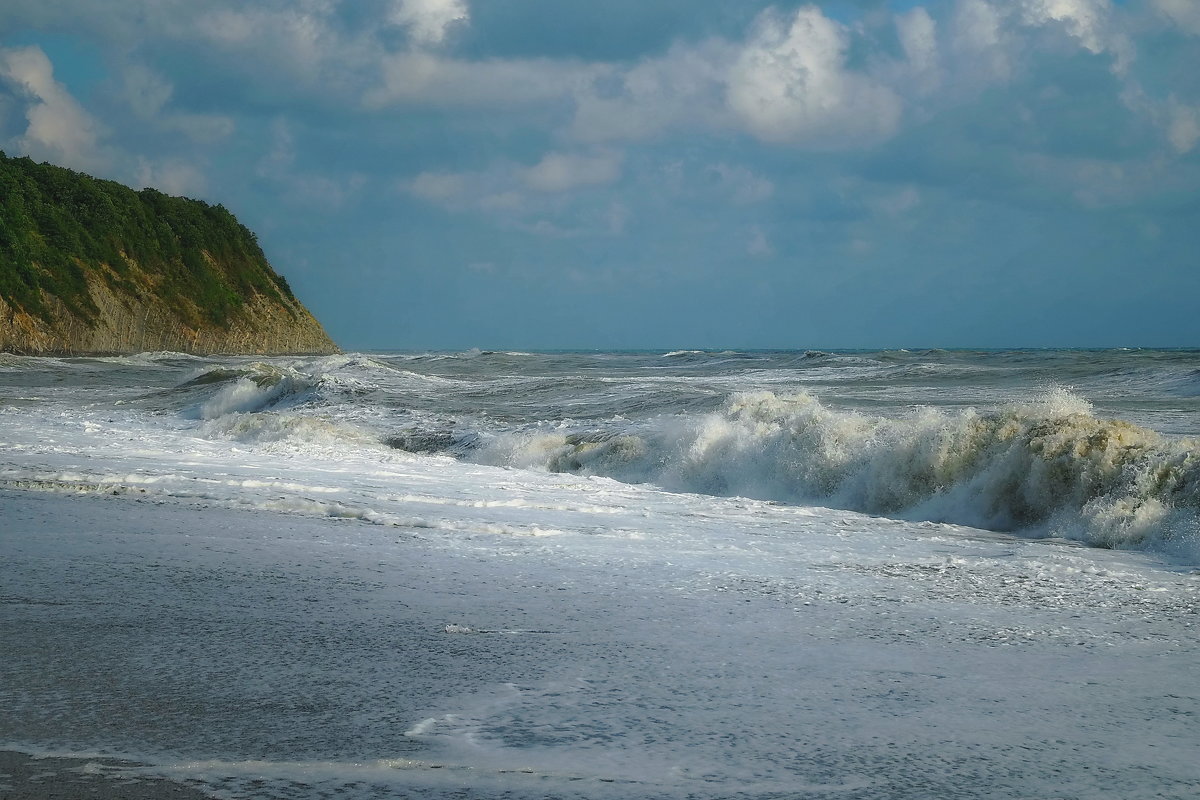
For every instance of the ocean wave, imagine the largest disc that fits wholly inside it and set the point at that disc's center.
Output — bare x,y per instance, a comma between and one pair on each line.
1187,385
295,430
463,355
1050,467
253,388
441,440
260,386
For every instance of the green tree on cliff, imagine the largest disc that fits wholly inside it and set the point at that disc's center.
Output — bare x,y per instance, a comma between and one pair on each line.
57,226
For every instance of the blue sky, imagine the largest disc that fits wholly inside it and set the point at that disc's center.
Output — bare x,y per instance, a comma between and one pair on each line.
670,173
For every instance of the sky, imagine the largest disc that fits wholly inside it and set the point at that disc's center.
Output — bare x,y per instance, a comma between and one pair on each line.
650,174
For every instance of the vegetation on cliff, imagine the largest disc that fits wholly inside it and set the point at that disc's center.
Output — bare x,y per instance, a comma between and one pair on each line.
193,259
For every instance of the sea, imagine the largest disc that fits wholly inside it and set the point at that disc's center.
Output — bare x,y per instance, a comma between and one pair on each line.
685,574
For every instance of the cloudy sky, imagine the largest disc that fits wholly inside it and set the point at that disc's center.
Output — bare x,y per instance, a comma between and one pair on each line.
658,173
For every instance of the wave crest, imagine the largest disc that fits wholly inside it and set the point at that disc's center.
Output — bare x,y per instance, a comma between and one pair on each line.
255,388
1050,467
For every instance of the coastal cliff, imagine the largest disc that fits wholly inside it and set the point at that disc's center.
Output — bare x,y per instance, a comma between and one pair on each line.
91,266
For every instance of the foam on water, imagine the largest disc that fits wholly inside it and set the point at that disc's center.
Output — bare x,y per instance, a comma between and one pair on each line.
739,648
1045,463
259,387
263,591
1049,467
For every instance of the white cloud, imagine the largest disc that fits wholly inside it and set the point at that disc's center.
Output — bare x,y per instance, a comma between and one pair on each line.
508,187
148,93
559,172
428,21
992,39
299,33
438,187
59,129
145,91
1083,19
287,47
1087,21
980,42
791,85
1096,183
172,177
917,32
684,87
425,78
1183,126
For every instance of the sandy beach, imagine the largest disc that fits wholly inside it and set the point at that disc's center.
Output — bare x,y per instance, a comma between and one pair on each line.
272,655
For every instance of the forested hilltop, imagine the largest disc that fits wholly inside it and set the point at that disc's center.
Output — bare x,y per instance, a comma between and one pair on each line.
91,266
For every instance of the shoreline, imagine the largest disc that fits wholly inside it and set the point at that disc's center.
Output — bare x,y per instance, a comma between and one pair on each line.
243,653
34,777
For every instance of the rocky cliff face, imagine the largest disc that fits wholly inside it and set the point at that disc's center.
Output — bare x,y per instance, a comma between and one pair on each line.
131,323
91,266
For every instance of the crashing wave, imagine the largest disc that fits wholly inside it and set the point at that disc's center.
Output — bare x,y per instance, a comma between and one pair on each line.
1050,467
255,388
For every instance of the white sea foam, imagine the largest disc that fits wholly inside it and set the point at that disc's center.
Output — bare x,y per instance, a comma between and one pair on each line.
273,603
264,386
1050,465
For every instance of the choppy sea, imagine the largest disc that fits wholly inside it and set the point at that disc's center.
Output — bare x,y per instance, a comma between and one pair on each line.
627,574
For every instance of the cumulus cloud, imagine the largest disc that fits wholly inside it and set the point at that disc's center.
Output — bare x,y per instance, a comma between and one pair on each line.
917,32
791,84
559,172
438,187
301,33
507,186
1105,184
980,41
147,93
1088,22
788,82
172,176
280,51
1083,19
422,77
59,129
1183,125
429,21
558,197
683,88
796,78
992,38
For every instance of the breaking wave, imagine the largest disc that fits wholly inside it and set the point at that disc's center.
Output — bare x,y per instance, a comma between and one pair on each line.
259,387
1049,468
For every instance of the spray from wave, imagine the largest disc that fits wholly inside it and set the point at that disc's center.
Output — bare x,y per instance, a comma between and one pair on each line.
1050,467
259,387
